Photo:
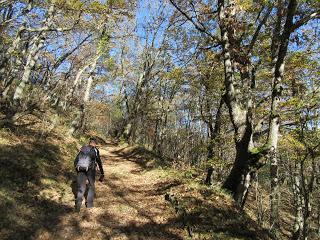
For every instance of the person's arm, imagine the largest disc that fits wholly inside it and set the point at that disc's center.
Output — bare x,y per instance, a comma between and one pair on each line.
76,160
98,159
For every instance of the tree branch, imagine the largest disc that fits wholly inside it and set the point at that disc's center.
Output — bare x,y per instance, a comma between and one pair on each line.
302,21
198,25
256,34
62,58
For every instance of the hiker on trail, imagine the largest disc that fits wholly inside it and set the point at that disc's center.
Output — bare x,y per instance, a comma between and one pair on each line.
86,163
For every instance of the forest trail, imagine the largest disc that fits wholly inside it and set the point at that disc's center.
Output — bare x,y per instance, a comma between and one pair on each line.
127,205
37,196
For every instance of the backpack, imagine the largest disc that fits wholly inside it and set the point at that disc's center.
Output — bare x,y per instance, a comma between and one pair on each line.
86,158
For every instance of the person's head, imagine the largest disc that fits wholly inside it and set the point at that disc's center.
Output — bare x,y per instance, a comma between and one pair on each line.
92,142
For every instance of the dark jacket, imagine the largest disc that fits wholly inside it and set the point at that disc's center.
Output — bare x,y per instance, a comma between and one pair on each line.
96,156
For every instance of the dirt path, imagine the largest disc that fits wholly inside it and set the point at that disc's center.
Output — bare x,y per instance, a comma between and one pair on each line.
129,205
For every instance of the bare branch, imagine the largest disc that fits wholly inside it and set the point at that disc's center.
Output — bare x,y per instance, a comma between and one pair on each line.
198,25
302,21
257,32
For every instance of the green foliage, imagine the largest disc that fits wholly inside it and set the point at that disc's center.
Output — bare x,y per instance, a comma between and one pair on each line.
116,3
97,6
190,173
216,162
175,74
110,64
290,143
75,5
259,150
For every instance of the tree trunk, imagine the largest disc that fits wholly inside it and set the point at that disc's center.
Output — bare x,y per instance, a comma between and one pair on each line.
33,55
275,117
213,135
76,82
298,220
209,176
318,220
78,123
259,202
8,64
140,100
31,61
239,179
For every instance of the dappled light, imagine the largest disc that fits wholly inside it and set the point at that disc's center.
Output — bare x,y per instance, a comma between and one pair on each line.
159,119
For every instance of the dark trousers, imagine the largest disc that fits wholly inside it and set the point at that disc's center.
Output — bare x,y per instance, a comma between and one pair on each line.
81,184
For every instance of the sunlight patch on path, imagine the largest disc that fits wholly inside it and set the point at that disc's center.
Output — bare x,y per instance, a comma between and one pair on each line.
126,206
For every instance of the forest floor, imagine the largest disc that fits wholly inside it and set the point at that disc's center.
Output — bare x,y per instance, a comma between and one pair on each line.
37,196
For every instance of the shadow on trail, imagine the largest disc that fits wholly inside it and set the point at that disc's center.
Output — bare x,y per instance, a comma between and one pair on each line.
211,219
135,230
24,211
144,231
145,158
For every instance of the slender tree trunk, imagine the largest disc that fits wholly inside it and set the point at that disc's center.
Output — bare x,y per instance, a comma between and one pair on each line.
76,82
78,122
210,154
259,202
130,127
213,135
33,55
298,221
140,100
275,118
8,63
5,66
31,61
274,175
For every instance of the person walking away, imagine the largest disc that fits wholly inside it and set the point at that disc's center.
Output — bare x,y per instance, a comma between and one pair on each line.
86,163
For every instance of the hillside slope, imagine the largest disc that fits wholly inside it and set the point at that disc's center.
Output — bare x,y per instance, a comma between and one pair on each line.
36,173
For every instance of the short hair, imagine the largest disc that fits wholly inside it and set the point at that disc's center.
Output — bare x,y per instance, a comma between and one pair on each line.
92,139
